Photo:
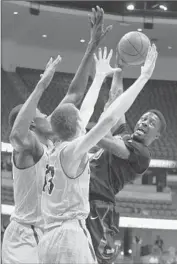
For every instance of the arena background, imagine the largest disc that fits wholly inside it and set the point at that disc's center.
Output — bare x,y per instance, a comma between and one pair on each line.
34,31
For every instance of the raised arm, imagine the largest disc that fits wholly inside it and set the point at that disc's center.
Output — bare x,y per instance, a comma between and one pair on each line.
78,85
116,145
103,69
21,137
116,109
116,89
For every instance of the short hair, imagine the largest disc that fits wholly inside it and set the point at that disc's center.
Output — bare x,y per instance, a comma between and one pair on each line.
64,121
13,114
163,123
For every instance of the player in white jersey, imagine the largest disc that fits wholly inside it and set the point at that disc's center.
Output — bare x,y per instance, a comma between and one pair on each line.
30,138
65,202
30,141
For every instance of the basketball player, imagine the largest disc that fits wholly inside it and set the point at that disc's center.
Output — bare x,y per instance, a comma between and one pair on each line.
30,140
118,160
66,239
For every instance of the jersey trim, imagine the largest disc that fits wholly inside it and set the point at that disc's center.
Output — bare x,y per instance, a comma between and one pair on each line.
90,246
72,178
13,161
35,234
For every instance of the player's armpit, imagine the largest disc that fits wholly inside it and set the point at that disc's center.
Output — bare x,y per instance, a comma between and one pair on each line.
30,143
83,144
69,161
116,146
120,128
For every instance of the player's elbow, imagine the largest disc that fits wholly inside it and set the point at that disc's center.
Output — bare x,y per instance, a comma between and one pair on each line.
73,98
77,100
14,136
110,120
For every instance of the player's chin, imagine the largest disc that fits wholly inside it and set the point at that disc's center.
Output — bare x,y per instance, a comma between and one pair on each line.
138,136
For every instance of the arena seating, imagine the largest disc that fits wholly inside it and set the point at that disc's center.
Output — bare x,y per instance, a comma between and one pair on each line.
147,209
7,195
144,201
135,207
161,95
57,89
10,98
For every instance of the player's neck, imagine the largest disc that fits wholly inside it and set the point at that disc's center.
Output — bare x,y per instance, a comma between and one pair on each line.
43,139
138,140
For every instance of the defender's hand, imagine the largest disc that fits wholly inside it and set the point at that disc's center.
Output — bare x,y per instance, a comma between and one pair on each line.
103,63
48,74
97,26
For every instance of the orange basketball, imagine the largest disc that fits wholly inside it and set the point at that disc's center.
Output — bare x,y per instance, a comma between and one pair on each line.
133,48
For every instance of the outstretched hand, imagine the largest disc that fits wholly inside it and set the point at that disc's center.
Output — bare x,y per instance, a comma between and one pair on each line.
97,26
103,63
48,74
150,62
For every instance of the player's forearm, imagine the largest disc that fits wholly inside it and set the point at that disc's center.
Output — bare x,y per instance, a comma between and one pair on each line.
87,107
115,91
26,114
121,105
114,146
116,88
78,85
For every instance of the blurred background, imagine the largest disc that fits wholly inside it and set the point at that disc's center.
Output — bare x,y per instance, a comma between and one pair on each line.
32,32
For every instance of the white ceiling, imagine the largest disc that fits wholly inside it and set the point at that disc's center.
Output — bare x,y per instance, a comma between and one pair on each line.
64,30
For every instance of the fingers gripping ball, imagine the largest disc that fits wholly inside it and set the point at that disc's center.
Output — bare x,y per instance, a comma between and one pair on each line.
133,48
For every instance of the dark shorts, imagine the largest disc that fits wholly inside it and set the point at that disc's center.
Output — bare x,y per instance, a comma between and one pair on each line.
102,223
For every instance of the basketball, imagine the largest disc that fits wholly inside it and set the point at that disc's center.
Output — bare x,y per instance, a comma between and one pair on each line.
133,48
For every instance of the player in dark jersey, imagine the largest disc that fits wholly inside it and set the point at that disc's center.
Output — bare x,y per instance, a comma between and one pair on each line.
118,160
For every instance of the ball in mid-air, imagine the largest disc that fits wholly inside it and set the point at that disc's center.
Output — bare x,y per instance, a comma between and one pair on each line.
133,48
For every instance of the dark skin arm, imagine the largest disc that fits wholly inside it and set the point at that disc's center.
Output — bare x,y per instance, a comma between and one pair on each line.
27,147
78,85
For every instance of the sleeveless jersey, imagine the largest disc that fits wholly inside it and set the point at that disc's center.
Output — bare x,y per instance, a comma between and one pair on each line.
64,198
28,185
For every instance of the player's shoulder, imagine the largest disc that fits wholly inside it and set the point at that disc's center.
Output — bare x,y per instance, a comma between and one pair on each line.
121,130
58,146
97,154
137,146
139,155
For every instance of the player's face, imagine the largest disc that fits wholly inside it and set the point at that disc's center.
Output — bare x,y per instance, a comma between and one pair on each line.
42,124
147,129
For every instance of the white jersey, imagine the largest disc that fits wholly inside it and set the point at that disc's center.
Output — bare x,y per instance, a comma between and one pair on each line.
28,184
64,198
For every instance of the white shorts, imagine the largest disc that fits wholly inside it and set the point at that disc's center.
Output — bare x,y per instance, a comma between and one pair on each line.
20,244
69,243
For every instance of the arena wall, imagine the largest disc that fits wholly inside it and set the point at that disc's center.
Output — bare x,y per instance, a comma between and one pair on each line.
14,55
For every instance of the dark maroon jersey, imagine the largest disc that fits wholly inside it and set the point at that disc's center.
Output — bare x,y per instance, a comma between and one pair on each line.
110,173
